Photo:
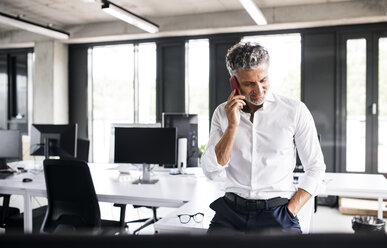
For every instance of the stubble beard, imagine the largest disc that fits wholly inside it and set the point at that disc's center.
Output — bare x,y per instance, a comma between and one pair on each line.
258,102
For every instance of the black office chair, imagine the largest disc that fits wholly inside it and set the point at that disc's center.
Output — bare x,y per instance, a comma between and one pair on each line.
83,147
72,201
14,222
11,218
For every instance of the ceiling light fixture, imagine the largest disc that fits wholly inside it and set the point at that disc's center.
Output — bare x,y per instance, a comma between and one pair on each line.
254,11
129,17
33,27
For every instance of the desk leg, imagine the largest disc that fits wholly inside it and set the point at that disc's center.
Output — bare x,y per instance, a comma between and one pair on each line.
27,213
380,209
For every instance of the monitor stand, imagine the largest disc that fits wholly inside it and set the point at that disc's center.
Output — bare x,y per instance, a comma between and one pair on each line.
146,177
46,148
50,147
180,170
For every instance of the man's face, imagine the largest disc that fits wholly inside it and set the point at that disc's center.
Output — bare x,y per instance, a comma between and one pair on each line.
254,84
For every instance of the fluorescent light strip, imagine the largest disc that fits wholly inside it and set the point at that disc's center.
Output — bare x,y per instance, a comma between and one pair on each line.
129,17
254,11
33,27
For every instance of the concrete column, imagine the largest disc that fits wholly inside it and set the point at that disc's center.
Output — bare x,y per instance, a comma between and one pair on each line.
50,85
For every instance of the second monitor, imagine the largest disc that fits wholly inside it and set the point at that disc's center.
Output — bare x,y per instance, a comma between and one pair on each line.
10,148
187,127
146,146
54,140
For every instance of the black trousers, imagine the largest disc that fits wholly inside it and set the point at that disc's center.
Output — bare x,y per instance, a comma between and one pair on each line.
229,218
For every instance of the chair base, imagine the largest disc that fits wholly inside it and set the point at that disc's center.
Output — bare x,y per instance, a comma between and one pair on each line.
111,227
146,223
15,223
7,212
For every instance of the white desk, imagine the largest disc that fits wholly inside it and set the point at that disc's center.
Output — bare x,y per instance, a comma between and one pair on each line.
341,184
189,194
356,185
111,186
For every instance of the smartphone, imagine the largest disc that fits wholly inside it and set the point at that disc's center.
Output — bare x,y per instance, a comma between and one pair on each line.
234,85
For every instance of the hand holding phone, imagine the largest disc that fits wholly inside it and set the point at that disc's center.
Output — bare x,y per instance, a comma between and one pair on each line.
234,85
235,103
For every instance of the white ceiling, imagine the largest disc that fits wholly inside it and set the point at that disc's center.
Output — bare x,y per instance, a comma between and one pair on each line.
84,19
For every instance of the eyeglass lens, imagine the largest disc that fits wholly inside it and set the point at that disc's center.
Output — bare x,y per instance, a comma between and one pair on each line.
198,217
184,218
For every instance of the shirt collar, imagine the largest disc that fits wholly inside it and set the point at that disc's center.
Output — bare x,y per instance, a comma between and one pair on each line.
268,98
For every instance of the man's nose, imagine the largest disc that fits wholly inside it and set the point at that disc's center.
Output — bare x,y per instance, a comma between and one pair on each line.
259,90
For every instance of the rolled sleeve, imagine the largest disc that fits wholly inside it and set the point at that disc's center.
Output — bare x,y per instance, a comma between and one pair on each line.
211,168
309,151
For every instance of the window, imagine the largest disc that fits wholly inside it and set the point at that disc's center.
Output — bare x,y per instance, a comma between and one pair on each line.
197,85
285,62
382,115
17,101
15,80
123,90
356,105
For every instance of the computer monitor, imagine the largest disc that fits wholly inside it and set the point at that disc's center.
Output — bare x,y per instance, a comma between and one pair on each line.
54,140
146,146
187,127
10,147
126,125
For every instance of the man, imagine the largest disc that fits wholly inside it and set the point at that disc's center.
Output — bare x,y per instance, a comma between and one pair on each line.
253,139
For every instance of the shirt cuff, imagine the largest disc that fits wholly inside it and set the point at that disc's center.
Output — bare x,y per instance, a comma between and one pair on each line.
213,160
210,165
310,184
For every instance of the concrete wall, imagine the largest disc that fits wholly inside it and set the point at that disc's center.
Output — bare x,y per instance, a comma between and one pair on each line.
50,87
61,89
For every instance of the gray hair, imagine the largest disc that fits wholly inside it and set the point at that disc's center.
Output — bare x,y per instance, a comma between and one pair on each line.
246,56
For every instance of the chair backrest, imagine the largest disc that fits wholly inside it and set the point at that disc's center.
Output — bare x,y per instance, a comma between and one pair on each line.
72,201
83,149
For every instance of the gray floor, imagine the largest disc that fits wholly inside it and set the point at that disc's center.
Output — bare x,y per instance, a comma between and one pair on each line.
330,220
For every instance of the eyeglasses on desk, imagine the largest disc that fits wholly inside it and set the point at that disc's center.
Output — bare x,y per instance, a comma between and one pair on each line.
185,218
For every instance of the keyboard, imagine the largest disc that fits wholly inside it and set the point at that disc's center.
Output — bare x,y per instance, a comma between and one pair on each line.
5,174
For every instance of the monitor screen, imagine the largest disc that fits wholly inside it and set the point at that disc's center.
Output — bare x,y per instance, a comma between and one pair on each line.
187,127
145,145
62,140
10,146
131,125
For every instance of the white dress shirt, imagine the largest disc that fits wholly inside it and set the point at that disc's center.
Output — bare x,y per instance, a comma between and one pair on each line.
264,153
